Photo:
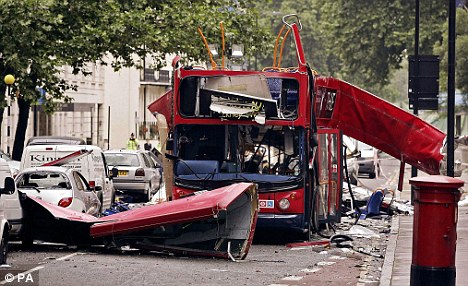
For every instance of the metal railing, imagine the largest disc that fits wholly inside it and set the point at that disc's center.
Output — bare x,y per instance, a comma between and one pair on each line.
156,76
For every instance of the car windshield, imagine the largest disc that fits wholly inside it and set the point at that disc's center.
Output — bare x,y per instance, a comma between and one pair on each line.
122,159
46,180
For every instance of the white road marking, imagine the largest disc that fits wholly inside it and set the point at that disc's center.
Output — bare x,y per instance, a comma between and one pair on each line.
219,270
40,267
70,256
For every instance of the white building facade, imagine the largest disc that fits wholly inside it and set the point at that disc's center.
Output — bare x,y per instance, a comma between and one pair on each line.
106,108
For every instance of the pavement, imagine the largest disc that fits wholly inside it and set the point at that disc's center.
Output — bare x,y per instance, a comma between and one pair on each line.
398,258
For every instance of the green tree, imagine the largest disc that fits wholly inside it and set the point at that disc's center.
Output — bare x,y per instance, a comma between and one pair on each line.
461,55
371,38
362,42
38,37
312,36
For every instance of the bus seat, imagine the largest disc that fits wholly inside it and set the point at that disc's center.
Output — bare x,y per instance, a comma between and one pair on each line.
188,167
230,167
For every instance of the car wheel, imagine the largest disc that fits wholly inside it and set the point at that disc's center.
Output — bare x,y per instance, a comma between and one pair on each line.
371,175
27,240
4,248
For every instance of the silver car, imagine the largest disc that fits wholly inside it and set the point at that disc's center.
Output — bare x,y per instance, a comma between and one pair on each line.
59,186
367,162
137,172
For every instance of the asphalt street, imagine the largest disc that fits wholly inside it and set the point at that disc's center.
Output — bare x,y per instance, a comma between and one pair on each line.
269,262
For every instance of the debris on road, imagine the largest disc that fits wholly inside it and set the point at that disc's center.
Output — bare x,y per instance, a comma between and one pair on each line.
365,199
220,223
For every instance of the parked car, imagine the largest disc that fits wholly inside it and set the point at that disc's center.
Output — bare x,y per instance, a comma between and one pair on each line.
366,162
55,140
60,186
89,160
137,172
10,209
13,164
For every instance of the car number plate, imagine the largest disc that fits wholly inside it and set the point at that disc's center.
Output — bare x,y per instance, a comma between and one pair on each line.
123,173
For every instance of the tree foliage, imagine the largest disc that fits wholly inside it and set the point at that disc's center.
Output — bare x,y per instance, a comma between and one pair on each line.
362,42
312,36
38,37
371,38
461,53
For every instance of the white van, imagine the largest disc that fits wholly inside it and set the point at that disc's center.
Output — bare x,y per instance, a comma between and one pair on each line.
92,165
11,213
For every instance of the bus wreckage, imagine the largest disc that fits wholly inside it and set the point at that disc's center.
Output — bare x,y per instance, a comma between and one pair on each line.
219,223
247,150
280,128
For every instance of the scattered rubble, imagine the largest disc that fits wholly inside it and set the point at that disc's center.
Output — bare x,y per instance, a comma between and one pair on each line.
362,239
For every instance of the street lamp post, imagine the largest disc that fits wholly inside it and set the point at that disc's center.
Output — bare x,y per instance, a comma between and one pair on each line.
9,80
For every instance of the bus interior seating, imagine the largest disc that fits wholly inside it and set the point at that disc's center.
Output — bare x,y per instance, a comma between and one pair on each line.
253,165
230,167
373,205
189,167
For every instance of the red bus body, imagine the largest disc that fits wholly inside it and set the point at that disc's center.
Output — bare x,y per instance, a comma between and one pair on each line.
225,128
272,146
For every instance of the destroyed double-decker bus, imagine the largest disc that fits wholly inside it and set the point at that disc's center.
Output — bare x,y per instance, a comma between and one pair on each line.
227,126
280,128
230,136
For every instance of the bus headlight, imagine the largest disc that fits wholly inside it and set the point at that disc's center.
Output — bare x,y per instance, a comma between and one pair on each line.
284,204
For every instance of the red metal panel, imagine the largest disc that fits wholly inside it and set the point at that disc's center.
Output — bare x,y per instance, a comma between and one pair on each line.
182,210
299,49
63,213
269,202
163,105
374,121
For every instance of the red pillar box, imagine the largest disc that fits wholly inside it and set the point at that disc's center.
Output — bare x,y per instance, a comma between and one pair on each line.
435,230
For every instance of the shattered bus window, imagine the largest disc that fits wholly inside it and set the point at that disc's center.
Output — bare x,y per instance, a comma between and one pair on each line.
239,97
253,153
